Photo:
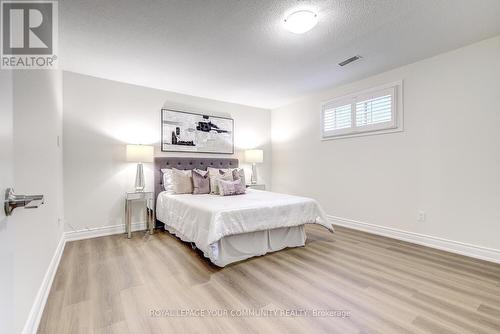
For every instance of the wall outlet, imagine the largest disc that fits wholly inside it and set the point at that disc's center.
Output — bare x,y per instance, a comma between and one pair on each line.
421,216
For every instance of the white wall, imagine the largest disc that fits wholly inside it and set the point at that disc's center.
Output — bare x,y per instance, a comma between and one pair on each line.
6,180
446,162
6,113
102,116
37,121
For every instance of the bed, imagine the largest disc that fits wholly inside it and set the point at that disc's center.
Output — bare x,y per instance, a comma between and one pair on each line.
228,229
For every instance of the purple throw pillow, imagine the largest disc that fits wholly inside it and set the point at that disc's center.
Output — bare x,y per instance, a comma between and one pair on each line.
227,188
201,182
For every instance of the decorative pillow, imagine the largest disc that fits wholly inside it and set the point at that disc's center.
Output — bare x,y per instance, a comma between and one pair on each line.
227,188
239,174
201,182
182,181
216,174
168,186
201,171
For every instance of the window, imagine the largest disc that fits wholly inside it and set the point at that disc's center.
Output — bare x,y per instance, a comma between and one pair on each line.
375,111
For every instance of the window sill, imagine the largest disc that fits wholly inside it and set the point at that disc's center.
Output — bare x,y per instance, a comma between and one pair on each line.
363,134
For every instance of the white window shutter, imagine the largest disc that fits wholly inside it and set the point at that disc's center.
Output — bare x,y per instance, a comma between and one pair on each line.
374,111
369,111
337,118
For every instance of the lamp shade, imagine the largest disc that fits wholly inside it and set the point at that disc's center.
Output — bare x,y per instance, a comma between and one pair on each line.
140,153
254,156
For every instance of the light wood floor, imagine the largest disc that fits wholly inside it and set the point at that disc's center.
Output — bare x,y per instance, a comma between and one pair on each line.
111,284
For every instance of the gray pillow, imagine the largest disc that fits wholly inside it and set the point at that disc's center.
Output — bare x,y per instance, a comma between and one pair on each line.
201,182
239,174
228,188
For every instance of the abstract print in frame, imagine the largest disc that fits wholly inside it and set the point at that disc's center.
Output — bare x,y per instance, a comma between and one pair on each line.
183,131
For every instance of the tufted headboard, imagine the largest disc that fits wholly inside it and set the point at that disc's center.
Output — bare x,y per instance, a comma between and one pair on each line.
187,163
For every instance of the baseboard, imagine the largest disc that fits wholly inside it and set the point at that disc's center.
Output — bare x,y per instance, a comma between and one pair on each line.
36,311
474,251
101,231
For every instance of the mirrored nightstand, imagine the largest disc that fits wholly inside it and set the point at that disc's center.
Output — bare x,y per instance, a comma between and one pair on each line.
259,186
147,200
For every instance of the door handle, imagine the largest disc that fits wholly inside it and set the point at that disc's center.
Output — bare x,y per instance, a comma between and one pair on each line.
13,201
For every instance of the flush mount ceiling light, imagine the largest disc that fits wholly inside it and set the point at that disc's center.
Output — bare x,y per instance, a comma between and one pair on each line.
300,21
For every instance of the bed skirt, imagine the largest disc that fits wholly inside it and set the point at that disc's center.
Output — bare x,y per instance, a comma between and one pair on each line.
238,247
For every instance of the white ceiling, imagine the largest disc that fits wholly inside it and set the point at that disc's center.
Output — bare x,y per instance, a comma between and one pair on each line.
238,51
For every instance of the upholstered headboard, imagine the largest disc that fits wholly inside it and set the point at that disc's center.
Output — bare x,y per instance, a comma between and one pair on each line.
187,163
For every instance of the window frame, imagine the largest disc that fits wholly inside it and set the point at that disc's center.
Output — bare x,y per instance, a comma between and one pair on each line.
395,89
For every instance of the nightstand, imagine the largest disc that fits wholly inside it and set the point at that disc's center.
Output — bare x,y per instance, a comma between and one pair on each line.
257,186
147,200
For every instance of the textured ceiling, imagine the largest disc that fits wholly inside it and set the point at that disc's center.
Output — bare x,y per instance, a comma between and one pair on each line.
238,51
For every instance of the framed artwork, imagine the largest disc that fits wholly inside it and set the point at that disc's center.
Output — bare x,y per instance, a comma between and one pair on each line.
183,131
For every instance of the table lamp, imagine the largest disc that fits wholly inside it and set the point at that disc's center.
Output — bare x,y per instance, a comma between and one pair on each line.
254,157
140,154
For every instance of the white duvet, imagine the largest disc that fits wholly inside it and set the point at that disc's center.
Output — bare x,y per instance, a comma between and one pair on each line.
205,219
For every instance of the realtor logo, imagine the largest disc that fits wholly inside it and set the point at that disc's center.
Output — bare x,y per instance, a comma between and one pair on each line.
29,34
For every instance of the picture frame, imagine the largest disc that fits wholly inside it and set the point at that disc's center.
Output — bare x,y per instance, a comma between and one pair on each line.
184,131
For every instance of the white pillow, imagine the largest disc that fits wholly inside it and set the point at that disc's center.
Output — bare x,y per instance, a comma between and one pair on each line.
217,174
168,186
182,181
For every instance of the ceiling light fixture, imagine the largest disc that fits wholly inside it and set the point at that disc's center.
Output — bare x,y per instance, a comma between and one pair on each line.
300,21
